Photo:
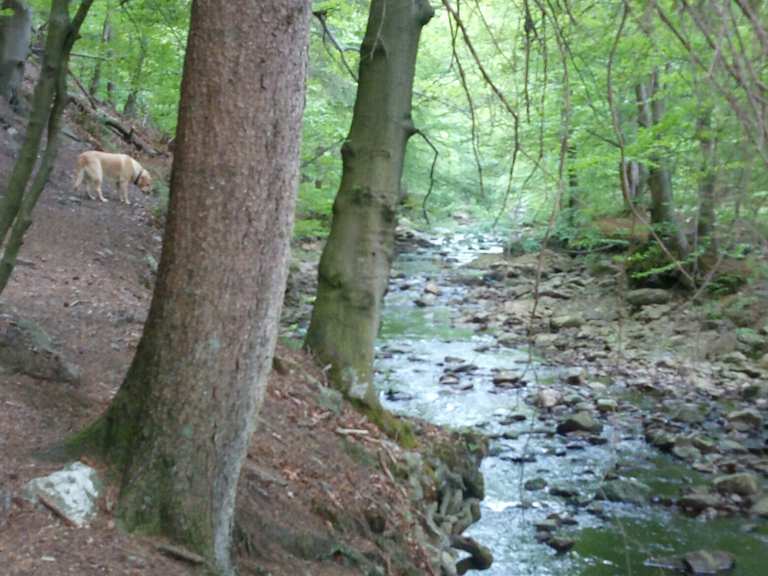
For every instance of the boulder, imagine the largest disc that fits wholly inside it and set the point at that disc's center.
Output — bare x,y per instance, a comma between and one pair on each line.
742,483
704,562
579,422
760,508
697,502
566,321
646,296
71,492
625,490
748,417
25,348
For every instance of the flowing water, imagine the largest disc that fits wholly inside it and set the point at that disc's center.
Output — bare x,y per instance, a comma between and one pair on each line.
416,344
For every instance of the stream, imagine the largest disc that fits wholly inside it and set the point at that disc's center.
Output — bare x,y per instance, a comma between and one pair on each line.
533,475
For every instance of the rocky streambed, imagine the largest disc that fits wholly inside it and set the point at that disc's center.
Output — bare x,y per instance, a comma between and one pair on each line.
627,428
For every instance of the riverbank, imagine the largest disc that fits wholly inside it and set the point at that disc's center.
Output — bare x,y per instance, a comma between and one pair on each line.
626,426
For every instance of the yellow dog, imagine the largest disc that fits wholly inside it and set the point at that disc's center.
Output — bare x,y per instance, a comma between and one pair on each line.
124,169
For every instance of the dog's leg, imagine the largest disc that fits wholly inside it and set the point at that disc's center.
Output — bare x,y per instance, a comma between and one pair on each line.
79,179
124,192
98,190
89,183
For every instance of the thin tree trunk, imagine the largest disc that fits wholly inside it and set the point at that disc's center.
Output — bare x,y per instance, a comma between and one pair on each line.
574,202
178,428
705,230
136,80
650,113
356,261
48,100
106,38
15,34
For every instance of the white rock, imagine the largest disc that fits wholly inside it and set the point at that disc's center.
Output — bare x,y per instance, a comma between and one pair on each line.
74,490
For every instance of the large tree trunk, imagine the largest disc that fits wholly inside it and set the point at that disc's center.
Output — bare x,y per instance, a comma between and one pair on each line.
178,429
48,103
355,264
650,113
15,33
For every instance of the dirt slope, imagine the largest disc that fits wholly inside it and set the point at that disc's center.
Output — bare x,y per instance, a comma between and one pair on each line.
315,499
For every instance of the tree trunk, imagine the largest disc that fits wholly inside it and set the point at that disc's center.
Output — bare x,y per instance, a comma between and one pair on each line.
48,103
705,229
106,38
178,428
650,113
129,109
574,202
15,33
355,264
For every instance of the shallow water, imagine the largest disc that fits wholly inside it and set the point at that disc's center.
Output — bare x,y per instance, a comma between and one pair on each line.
412,355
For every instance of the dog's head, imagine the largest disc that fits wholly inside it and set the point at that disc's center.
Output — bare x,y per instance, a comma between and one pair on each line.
144,182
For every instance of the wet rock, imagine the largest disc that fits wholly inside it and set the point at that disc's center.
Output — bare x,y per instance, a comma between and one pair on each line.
567,321
547,525
449,379
579,422
748,417
645,296
507,379
397,395
480,557
72,492
535,484
704,444
736,358
660,438
546,340
561,544
760,508
697,502
690,413
742,483
729,445
685,450
574,377
625,490
606,405
763,362
563,492
547,398
432,288
704,562
425,300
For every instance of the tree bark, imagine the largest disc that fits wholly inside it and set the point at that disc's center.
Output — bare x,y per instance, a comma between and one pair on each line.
650,113
178,428
356,261
15,34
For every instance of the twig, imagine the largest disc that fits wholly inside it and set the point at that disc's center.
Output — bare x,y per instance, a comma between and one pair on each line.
431,173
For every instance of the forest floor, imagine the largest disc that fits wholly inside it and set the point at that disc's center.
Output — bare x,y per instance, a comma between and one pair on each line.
317,495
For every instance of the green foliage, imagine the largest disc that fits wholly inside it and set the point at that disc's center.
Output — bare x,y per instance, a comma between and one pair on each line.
474,133
650,263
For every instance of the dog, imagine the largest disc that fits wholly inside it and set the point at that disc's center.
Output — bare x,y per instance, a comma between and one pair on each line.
94,166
